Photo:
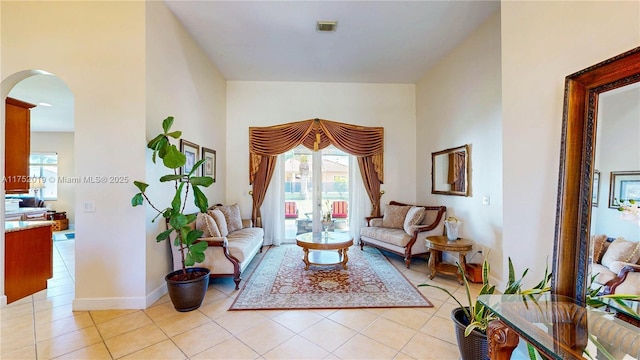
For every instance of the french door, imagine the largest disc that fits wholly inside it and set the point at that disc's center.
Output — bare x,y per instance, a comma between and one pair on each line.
316,188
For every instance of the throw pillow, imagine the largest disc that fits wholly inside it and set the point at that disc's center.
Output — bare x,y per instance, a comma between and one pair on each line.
200,225
599,246
232,216
394,216
414,217
218,216
211,225
621,250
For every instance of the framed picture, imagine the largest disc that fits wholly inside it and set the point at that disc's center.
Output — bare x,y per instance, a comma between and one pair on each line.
209,165
624,185
595,188
190,150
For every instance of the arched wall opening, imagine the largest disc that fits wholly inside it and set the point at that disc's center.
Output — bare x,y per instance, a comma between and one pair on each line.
6,87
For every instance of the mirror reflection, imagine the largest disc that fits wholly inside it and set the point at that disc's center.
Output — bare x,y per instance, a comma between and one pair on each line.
617,160
449,171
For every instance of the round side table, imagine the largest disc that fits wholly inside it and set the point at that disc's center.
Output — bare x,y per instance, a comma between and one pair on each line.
438,244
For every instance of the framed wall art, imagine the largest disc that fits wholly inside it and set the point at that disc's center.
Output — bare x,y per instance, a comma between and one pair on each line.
209,165
624,185
595,188
190,150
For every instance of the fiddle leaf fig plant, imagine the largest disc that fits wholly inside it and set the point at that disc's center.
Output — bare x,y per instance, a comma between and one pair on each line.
186,238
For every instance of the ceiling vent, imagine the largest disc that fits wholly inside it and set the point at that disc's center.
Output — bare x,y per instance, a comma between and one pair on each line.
326,26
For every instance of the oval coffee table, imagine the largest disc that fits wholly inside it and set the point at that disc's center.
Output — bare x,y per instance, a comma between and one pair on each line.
324,247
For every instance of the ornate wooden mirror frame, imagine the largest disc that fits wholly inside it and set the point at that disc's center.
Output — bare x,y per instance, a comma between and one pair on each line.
450,171
573,209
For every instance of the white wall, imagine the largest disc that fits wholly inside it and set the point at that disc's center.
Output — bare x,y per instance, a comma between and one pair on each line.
181,82
61,143
97,48
269,103
542,43
458,102
617,149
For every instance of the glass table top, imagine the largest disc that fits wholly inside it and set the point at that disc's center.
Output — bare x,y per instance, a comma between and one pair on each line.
561,328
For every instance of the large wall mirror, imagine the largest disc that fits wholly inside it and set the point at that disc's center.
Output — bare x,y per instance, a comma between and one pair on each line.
601,123
450,171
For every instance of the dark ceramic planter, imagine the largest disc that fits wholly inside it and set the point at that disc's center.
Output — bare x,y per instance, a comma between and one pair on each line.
187,295
472,347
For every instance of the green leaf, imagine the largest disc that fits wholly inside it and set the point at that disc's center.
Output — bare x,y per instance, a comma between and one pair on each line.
164,235
166,124
204,181
140,185
196,166
200,200
137,199
162,147
197,251
153,144
191,218
177,221
170,177
176,203
175,134
189,260
193,236
173,158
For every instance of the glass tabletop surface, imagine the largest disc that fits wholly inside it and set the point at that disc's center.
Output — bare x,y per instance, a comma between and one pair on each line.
564,329
630,308
330,237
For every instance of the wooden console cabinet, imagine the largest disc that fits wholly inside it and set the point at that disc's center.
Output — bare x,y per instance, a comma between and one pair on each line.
17,146
28,258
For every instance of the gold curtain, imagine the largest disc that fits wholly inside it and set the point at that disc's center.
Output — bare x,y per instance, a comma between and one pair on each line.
367,143
456,174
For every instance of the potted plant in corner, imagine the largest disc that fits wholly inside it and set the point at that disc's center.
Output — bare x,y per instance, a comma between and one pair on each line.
471,321
187,286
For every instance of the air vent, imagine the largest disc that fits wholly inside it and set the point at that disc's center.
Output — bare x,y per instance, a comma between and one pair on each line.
326,26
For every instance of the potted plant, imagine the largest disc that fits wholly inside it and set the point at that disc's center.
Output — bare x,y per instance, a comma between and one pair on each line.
471,321
188,286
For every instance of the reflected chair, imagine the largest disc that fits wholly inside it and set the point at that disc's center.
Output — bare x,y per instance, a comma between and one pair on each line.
290,210
339,209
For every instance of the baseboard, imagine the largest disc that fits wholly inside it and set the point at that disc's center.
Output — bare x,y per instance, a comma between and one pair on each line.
3,301
156,294
88,304
140,303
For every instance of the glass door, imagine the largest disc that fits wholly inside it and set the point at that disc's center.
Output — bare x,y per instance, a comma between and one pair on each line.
316,188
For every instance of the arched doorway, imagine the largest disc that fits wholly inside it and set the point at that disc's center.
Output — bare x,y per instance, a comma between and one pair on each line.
52,139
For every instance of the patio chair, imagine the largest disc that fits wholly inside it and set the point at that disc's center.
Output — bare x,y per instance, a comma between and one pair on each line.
339,209
290,210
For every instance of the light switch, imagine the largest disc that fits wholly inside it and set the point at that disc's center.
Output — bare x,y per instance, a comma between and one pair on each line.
486,200
89,206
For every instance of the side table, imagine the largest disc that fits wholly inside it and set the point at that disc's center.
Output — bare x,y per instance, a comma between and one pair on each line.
438,244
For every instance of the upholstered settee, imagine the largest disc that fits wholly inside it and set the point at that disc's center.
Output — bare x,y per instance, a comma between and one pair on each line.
616,265
233,242
403,228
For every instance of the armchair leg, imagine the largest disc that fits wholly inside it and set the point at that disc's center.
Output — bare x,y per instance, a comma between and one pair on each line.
237,281
407,261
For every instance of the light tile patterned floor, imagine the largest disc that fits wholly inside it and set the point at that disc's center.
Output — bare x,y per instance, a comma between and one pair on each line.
43,326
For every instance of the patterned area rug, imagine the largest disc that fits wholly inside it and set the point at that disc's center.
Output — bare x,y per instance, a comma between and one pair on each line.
371,281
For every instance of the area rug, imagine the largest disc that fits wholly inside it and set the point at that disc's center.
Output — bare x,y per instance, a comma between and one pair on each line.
281,282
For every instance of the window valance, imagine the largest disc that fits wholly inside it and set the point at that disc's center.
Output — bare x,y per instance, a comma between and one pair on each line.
316,134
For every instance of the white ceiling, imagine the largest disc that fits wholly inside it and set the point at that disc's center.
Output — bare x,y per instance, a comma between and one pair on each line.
51,90
375,42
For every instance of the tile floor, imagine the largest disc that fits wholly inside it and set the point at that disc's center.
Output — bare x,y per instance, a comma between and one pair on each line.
43,326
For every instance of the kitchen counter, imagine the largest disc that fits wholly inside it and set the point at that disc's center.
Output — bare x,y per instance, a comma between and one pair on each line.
10,226
28,257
